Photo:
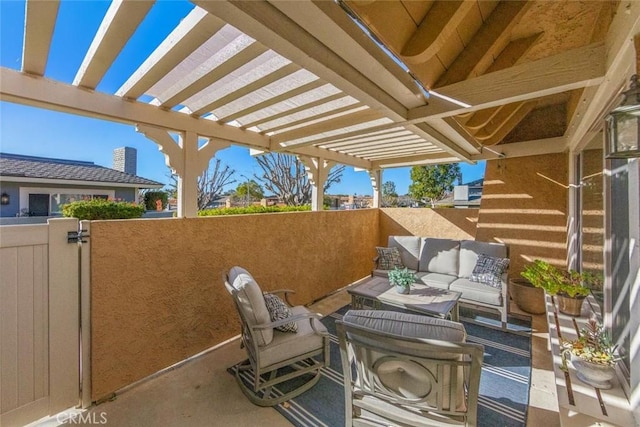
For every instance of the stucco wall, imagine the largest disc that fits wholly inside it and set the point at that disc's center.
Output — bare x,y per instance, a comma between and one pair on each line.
157,293
524,204
443,223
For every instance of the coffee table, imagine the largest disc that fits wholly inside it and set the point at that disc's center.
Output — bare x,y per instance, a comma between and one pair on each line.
423,299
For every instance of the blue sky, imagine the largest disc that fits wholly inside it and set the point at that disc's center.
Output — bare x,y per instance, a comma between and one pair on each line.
38,132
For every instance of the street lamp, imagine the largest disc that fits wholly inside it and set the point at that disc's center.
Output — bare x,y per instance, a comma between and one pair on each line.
623,125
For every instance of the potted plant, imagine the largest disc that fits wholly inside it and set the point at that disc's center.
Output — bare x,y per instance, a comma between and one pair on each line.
570,286
592,355
402,279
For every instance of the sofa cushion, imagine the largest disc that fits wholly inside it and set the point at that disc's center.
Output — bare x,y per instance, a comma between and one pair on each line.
436,280
439,256
478,292
489,270
278,310
251,303
469,251
388,258
409,248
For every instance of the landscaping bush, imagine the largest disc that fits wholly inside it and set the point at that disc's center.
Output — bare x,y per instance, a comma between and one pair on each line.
150,198
252,210
101,209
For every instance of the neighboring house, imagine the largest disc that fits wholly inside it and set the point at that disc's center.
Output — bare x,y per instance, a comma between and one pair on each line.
39,186
464,195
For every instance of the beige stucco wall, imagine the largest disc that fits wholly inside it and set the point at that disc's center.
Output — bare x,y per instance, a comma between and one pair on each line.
524,204
157,293
427,222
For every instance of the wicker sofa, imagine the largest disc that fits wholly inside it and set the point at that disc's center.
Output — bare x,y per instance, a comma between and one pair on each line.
449,264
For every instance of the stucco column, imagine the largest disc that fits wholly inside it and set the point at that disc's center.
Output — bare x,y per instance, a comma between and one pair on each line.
317,172
186,160
376,183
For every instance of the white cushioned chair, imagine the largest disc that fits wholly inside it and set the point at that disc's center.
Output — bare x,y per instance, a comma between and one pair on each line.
269,350
408,370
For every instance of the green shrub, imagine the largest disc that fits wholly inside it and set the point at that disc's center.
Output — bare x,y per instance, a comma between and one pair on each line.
102,209
252,210
150,198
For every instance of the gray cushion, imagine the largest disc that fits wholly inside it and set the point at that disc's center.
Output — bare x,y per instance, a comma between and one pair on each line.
436,280
235,271
439,256
407,325
251,303
284,344
489,270
409,248
278,310
469,251
388,258
474,291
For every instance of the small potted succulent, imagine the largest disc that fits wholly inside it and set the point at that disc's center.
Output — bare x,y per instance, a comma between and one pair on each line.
402,279
570,286
593,355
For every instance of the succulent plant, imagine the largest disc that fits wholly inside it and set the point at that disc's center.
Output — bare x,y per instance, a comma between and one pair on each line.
401,277
593,345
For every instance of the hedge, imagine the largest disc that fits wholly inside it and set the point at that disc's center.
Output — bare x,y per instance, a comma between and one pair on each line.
102,209
252,210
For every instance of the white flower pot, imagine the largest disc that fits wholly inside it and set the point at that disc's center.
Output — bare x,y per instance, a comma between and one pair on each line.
594,374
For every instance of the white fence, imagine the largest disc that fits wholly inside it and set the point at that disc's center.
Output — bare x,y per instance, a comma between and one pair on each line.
39,321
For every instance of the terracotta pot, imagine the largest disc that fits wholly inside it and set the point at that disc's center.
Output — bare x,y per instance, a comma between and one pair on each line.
594,374
570,306
526,296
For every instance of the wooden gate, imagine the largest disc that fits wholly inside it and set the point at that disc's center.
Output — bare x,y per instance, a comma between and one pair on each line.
39,321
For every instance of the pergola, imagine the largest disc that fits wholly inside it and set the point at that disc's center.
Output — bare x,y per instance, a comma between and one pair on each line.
456,81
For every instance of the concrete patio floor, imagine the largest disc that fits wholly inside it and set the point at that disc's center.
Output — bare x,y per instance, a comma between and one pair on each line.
201,393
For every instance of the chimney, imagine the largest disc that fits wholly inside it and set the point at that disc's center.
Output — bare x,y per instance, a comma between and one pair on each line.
125,160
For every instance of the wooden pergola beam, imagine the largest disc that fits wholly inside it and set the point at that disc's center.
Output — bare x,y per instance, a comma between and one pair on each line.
40,19
119,23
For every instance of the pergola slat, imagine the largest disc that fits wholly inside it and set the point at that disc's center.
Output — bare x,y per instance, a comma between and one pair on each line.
379,143
40,19
314,118
120,22
196,28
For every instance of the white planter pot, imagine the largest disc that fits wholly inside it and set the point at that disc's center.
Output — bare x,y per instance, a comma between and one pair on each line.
594,374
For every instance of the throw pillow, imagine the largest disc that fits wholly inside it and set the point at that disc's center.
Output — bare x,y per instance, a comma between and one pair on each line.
389,258
278,310
489,270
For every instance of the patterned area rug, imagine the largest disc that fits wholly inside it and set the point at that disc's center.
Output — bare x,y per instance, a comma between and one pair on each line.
504,384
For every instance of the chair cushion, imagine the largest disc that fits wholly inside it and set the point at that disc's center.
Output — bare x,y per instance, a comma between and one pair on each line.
409,248
439,256
235,271
284,345
407,325
469,251
388,258
278,310
474,291
436,280
489,270
251,303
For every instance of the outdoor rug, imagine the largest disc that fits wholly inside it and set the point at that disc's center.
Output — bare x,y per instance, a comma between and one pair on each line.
504,383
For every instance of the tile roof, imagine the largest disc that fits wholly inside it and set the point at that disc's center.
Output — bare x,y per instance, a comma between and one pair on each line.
16,165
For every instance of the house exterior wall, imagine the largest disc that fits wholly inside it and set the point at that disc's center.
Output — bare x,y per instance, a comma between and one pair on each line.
157,294
446,223
13,190
524,204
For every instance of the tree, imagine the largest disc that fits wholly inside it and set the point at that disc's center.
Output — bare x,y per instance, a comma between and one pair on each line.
433,182
210,183
249,191
389,194
285,176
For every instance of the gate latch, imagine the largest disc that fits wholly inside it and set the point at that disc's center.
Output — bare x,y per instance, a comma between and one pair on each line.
76,236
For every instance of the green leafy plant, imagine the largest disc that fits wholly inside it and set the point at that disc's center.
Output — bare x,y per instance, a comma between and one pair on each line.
554,281
150,198
401,277
252,210
593,345
102,209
